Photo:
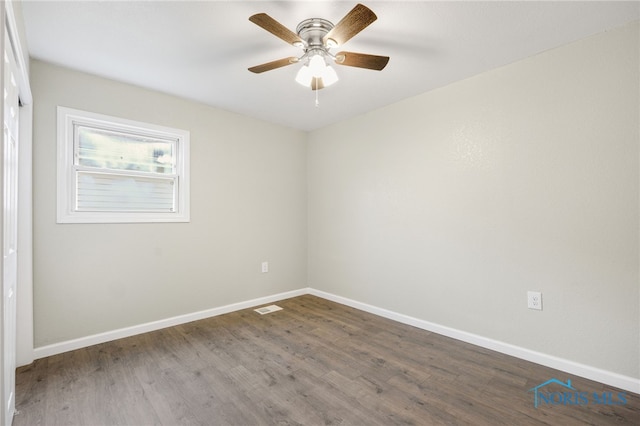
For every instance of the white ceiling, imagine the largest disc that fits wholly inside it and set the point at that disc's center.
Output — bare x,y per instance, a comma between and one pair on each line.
201,50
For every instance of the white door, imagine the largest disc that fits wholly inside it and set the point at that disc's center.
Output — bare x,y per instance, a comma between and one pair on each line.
10,230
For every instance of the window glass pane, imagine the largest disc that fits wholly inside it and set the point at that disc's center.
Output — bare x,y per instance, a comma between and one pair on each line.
124,193
111,150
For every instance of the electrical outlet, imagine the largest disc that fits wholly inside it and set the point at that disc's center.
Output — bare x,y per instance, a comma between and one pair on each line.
534,300
265,267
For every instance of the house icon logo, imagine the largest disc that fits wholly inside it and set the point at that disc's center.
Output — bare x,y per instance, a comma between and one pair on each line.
536,390
568,395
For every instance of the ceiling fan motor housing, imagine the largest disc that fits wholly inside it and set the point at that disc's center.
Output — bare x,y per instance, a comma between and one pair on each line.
312,31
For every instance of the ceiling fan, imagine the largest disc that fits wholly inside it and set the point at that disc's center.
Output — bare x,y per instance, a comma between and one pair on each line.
316,36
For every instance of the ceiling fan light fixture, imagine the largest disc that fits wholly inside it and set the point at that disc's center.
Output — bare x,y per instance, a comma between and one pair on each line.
316,68
305,76
319,68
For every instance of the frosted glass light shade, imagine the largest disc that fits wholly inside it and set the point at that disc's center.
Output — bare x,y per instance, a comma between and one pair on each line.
317,65
329,76
304,76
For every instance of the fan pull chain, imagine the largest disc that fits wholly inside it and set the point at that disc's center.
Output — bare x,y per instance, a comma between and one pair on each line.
317,101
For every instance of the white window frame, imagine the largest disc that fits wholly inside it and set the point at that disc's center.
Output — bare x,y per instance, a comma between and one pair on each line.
68,119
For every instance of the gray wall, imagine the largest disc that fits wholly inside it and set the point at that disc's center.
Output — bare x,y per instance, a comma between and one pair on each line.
248,204
449,206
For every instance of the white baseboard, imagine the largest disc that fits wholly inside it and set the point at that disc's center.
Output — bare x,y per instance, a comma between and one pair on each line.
607,377
82,342
588,372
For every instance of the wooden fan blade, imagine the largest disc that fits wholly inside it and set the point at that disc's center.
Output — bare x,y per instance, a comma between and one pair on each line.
273,65
316,83
276,28
362,60
355,21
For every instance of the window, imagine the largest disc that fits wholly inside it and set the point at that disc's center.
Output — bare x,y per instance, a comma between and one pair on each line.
116,170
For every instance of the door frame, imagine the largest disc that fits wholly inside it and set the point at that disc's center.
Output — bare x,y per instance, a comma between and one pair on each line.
24,308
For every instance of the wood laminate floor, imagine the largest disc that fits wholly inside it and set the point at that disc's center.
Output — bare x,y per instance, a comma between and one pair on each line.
313,363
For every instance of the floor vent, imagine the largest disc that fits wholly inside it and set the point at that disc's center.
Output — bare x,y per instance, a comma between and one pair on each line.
268,309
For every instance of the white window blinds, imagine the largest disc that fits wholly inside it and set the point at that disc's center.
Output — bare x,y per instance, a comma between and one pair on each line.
120,192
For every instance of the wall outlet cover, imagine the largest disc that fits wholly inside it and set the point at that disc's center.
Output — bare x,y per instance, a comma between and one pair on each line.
534,300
